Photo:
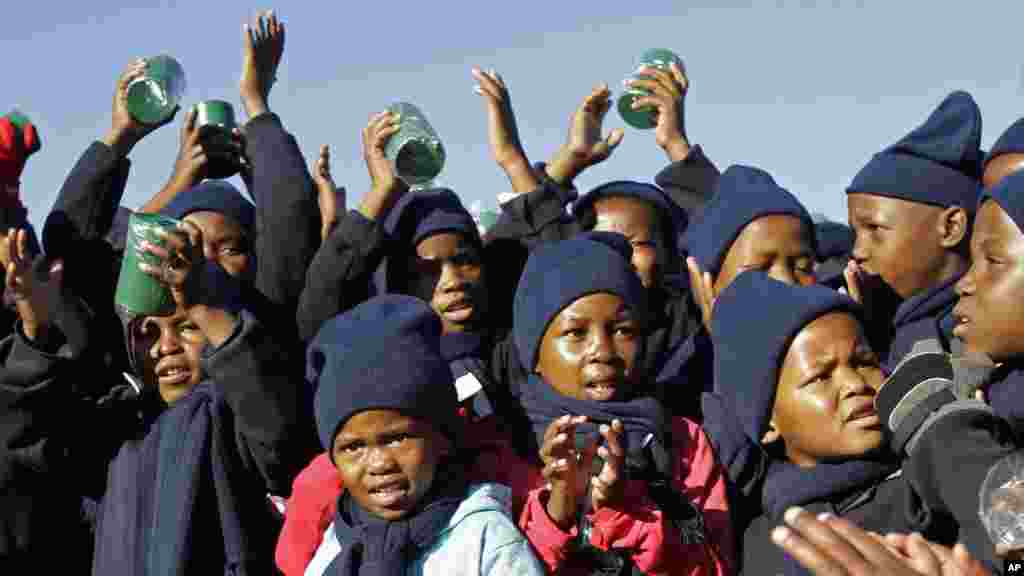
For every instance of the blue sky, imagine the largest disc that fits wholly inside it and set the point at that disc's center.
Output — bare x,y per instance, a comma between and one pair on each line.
806,90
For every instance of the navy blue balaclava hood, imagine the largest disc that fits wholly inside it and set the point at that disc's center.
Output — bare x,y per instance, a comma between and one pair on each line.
1009,194
938,163
558,274
1010,142
214,196
834,239
416,216
674,219
743,194
384,354
756,318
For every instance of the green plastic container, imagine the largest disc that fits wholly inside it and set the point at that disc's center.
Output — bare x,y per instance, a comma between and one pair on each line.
215,120
645,118
415,151
153,97
138,293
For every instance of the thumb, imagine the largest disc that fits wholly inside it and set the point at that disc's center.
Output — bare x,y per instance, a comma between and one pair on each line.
614,139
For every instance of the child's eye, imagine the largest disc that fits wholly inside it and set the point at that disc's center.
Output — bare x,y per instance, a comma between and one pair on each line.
350,448
232,251
627,331
574,333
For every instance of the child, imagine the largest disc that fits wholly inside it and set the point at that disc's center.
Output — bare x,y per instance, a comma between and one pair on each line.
406,505
910,207
180,468
579,311
794,367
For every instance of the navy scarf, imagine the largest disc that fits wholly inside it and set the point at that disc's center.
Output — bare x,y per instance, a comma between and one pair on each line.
922,317
787,484
374,547
641,417
159,488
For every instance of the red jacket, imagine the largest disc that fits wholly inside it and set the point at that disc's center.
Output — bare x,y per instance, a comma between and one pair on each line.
638,525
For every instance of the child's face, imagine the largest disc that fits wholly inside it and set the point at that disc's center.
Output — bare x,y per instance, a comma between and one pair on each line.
1000,167
224,242
446,271
170,349
990,317
824,405
778,245
589,350
387,461
635,220
898,241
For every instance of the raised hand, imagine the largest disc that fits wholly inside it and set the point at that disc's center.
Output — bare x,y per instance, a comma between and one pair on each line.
668,92
502,131
191,165
562,469
585,146
126,131
386,187
264,47
36,299
331,199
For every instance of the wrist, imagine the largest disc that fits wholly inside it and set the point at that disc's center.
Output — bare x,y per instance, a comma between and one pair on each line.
559,509
516,163
563,169
121,141
254,105
677,148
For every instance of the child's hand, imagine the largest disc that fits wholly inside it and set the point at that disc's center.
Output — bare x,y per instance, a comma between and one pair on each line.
668,92
331,199
125,130
180,261
190,166
387,186
585,146
264,46
702,289
561,469
501,121
606,488
35,299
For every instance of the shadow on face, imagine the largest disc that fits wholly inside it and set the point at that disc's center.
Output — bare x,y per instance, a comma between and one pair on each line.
388,460
447,271
638,222
779,245
225,242
170,348
589,349
824,403
989,315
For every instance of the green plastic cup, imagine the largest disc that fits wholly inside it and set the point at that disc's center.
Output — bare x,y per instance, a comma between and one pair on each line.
153,97
138,293
215,120
645,118
415,151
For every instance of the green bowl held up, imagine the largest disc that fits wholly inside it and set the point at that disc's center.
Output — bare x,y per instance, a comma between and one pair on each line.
153,97
215,120
646,118
415,150
138,293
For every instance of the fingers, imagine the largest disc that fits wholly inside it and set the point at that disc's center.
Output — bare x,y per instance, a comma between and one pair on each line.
852,276
597,102
489,84
817,547
381,127
560,438
614,139
921,556
195,238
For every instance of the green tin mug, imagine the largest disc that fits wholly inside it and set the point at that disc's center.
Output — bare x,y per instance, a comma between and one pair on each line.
153,97
415,151
645,118
215,120
138,293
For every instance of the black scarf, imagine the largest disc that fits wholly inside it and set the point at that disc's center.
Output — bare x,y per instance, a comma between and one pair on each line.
1006,395
787,484
642,417
374,547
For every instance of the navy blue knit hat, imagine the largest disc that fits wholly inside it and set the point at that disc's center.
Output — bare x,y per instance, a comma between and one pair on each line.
558,274
648,193
1011,141
756,318
1009,194
743,194
938,163
383,354
418,215
214,196
835,240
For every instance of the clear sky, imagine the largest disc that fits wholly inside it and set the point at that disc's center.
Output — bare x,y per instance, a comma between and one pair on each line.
806,90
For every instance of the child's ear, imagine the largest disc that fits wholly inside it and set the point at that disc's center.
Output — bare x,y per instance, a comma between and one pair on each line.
772,435
953,227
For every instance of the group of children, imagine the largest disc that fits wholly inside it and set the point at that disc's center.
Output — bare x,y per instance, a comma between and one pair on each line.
643,379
